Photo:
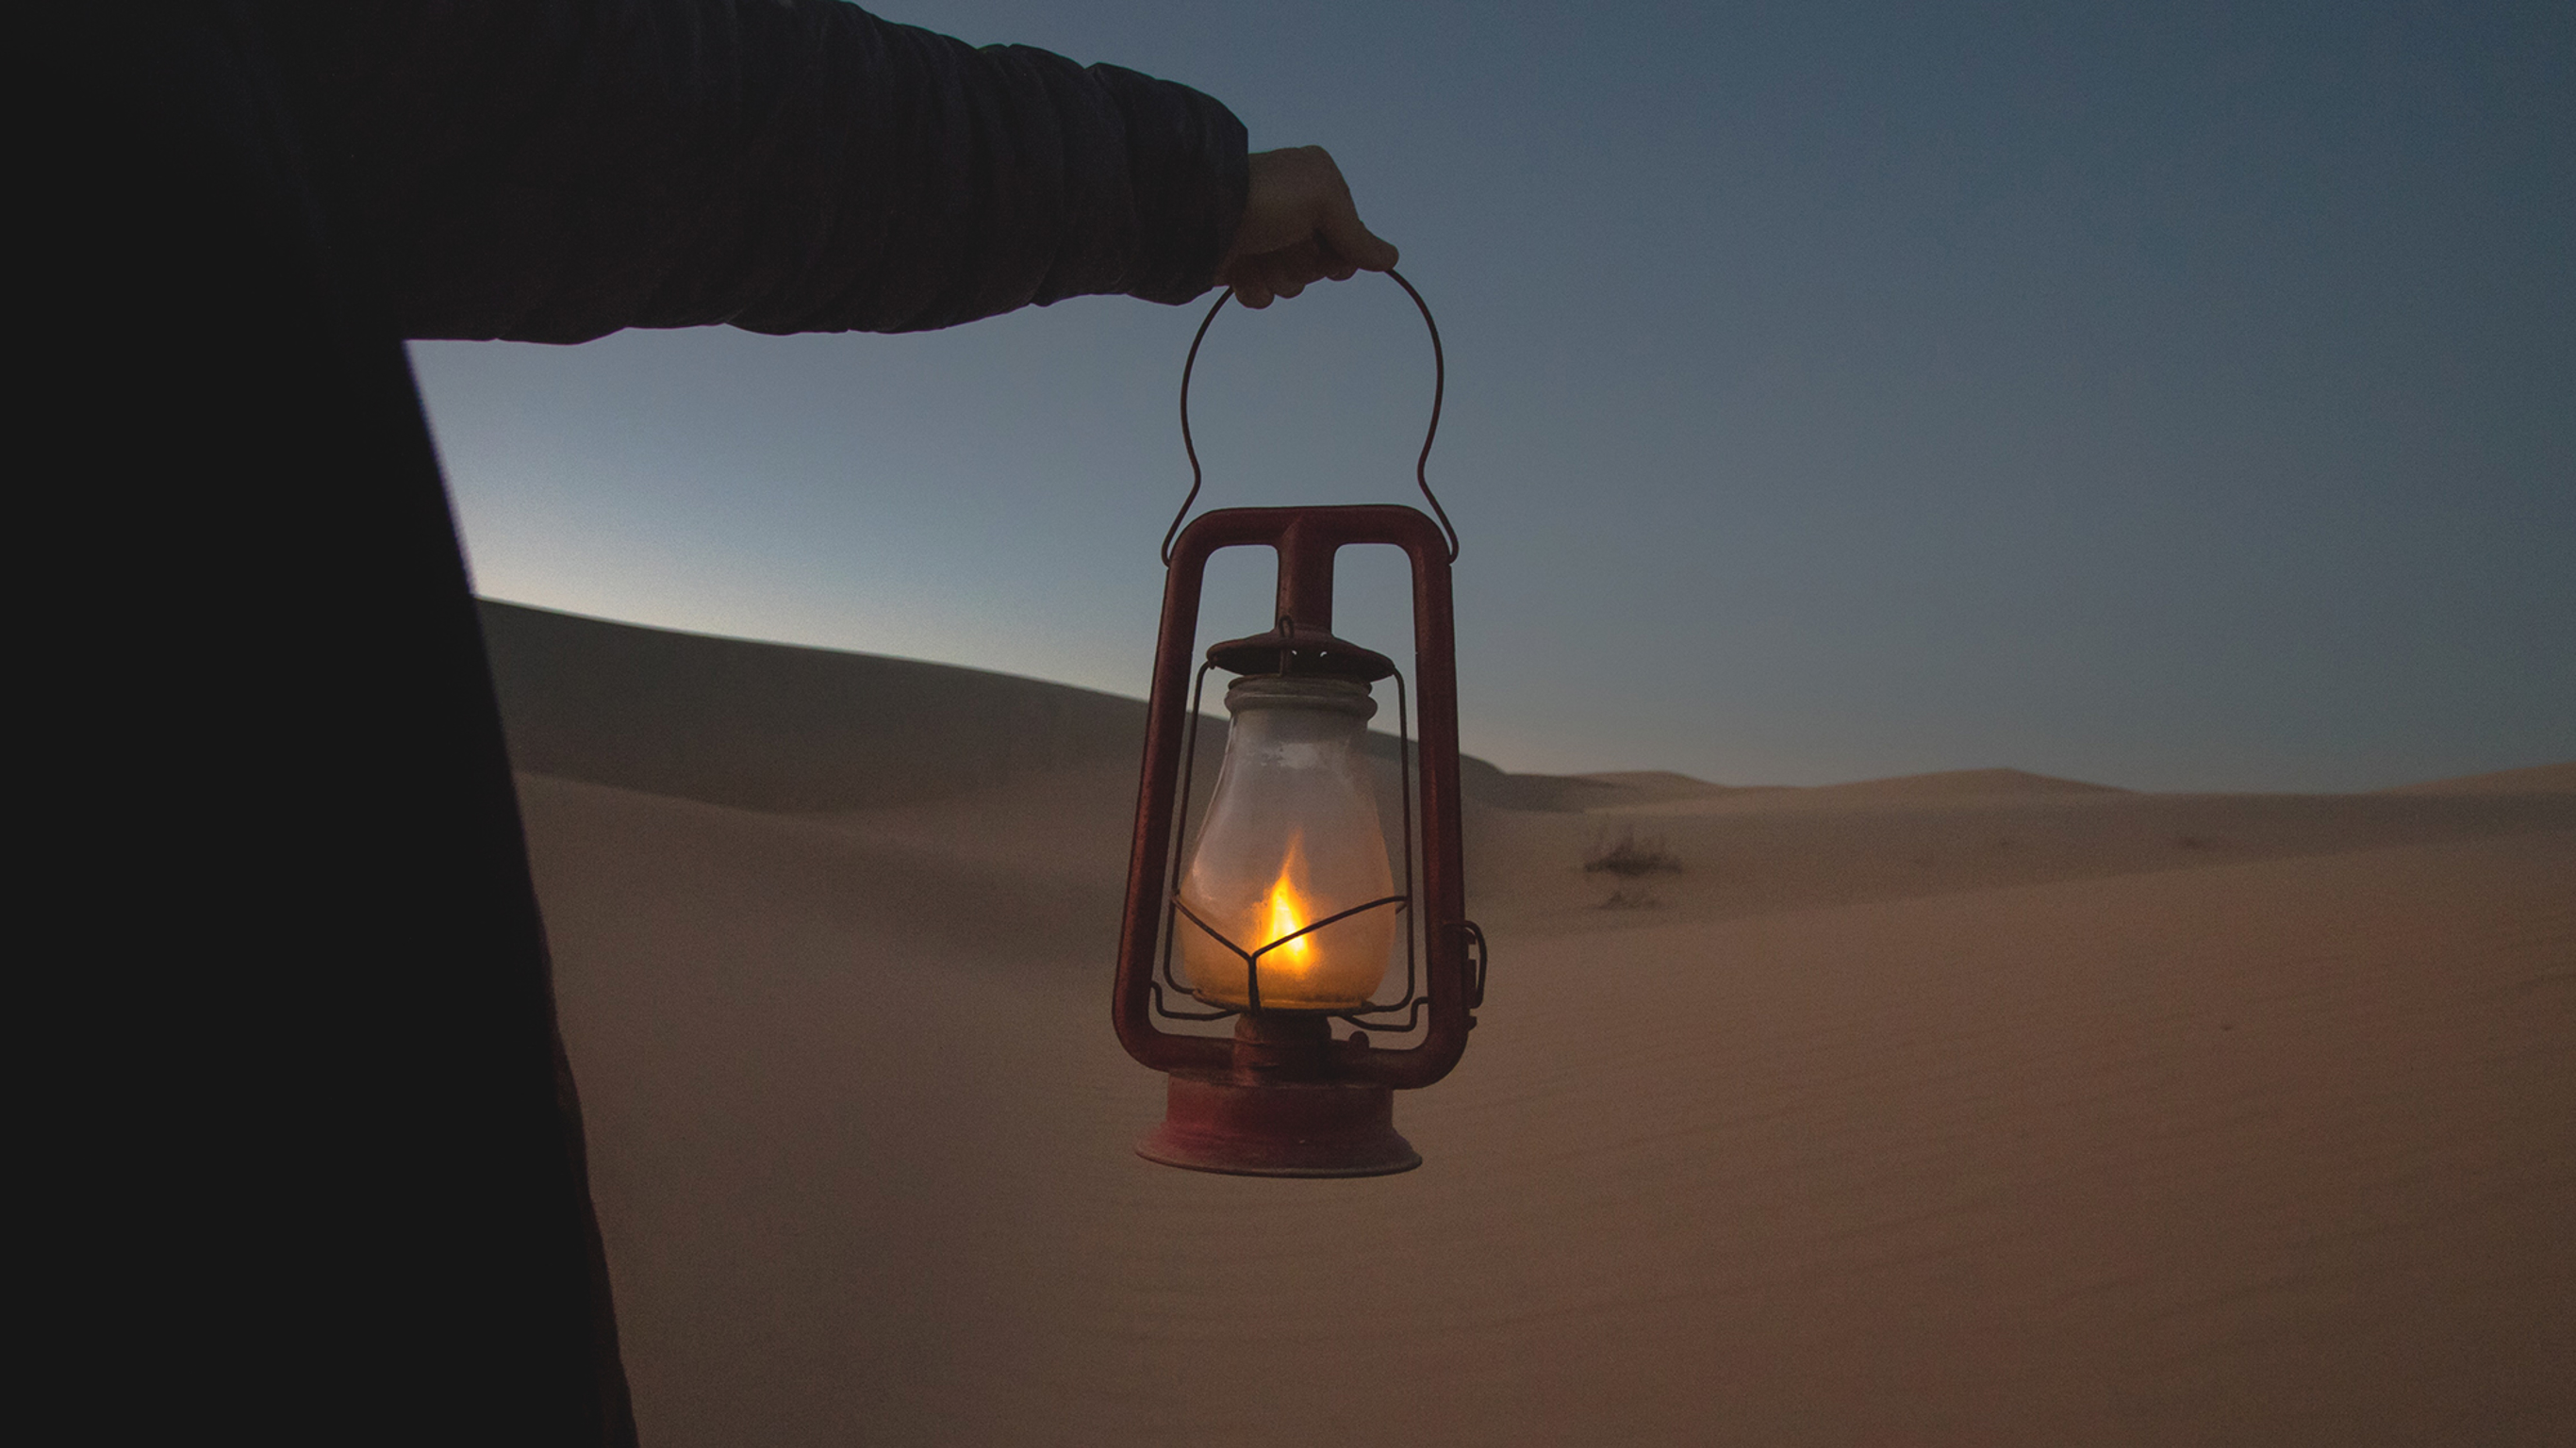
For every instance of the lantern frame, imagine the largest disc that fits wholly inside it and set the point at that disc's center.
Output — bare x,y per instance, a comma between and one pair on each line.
1283,1097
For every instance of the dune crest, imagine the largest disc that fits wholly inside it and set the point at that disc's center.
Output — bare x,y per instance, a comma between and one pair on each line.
1962,784
2539,779
774,727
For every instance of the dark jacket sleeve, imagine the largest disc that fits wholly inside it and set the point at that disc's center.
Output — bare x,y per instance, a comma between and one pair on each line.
554,170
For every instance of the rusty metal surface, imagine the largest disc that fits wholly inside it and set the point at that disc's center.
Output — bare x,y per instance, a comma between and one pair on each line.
1302,1129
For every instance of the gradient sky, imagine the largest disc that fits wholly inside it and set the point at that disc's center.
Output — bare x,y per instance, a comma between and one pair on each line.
2175,396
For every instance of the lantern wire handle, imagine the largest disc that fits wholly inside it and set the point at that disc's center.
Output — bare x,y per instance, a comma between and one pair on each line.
1439,389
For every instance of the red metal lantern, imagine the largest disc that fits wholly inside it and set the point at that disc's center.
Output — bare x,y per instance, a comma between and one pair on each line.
1285,911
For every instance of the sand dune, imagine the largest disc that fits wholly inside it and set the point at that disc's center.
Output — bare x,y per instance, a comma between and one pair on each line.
2542,779
1950,784
770,727
1733,856
2125,1119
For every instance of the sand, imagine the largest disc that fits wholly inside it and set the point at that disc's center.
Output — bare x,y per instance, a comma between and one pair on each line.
1975,1108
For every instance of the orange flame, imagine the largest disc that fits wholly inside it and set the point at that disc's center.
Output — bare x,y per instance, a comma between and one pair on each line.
1286,907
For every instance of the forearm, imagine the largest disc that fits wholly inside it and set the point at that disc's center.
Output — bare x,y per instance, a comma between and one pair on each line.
554,170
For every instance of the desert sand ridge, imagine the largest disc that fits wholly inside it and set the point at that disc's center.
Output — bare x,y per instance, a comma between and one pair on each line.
1960,784
806,730
1732,858
2006,1116
2540,779
1662,784
775,727
930,752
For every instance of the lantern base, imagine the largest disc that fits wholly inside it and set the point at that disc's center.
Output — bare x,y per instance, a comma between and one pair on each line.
1287,1129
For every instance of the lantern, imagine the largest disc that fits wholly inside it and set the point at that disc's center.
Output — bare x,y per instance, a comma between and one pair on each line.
1289,905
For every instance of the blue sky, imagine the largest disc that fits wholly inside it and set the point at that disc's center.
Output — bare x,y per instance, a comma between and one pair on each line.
2178,397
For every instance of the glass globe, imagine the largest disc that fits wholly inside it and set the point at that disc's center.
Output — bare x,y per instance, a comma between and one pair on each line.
1292,837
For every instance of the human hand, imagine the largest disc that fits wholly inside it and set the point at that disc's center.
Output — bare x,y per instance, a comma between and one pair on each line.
1299,226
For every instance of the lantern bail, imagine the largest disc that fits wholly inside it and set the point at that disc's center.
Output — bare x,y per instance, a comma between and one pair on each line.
1421,461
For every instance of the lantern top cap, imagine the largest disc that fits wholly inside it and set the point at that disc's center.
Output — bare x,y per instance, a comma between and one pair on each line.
1304,691
1300,653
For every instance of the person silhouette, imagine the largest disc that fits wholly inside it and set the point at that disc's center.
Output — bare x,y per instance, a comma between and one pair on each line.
321,1019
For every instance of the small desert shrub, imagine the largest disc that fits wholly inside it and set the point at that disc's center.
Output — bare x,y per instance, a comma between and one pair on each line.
1629,857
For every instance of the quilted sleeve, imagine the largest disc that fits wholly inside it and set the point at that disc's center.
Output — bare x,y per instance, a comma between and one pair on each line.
555,170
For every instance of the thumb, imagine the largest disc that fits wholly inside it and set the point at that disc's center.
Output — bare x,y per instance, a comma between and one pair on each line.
1342,231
